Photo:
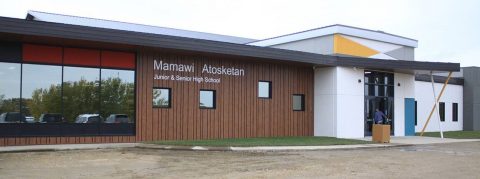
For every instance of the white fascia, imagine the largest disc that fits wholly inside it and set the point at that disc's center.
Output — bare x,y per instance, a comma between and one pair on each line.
338,29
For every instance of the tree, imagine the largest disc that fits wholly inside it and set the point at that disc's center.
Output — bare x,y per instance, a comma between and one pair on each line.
158,100
82,97
9,105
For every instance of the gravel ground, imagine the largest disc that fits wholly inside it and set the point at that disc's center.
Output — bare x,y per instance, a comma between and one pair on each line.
454,160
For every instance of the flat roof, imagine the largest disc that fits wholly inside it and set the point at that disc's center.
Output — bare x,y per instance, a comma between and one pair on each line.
338,29
21,29
110,24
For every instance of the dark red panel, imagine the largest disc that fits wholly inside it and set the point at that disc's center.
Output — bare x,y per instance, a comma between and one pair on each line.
42,54
83,57
118,59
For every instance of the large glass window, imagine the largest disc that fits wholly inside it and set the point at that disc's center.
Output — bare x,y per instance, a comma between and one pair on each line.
207,99
117,95
265,89
80,92
298,102
52,99
42,93
10,93
442,111
161,98
455,112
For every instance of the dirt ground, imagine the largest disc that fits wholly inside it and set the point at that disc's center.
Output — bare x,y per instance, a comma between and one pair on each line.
455,160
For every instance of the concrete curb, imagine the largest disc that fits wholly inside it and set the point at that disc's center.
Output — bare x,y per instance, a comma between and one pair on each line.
62,147
268,148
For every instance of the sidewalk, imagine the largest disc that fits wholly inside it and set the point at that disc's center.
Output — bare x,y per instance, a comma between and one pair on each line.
267,148
395,142
418,140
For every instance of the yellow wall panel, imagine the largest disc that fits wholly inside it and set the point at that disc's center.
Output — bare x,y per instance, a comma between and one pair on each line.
346,46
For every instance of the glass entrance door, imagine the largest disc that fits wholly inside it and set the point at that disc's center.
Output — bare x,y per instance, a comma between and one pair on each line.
384,104
379,95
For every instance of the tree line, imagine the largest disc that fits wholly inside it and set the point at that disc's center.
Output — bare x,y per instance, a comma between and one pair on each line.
105,97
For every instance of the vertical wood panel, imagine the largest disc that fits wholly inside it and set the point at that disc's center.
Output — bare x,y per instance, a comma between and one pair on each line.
155,117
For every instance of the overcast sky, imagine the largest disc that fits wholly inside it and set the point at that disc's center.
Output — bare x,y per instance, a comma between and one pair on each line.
447,30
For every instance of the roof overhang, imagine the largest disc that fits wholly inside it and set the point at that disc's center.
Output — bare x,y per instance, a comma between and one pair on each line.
28,31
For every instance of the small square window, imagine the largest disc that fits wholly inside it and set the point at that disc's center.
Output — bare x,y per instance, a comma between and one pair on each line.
299,102
161,98
207,99
265,89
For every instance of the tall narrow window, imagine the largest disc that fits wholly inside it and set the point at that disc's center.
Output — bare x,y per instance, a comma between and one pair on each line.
117,95
207,99
81,91
42,98
161,98
455,112
10,93
442,111
299,102
416,113
265,89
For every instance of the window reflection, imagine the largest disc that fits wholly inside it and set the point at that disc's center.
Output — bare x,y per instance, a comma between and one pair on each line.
207,99
41,93
298,102
117,96
264,89
56,100
10,93
80,92
161,97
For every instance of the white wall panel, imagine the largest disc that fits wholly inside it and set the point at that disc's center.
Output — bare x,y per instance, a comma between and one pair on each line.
338,103
324,111
425,102
350,102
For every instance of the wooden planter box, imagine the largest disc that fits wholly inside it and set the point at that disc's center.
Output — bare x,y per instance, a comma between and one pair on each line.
381,133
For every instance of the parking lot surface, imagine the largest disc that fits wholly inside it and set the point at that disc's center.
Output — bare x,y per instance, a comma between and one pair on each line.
453,160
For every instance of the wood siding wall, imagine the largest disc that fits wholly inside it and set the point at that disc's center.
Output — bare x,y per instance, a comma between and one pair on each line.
239,112
10,141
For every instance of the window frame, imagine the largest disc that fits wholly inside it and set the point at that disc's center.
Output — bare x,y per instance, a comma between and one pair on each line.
269,89
415,110
214,100
169,97
302,102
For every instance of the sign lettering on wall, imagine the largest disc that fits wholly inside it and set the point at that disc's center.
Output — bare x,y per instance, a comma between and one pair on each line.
161,66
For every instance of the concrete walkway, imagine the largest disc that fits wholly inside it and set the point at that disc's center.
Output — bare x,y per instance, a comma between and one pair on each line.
394,142
418,140
266,148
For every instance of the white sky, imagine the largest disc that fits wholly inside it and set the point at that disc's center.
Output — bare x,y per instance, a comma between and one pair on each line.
447,30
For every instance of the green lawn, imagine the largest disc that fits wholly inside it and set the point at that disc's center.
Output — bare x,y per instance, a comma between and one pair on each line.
267,141
454,134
